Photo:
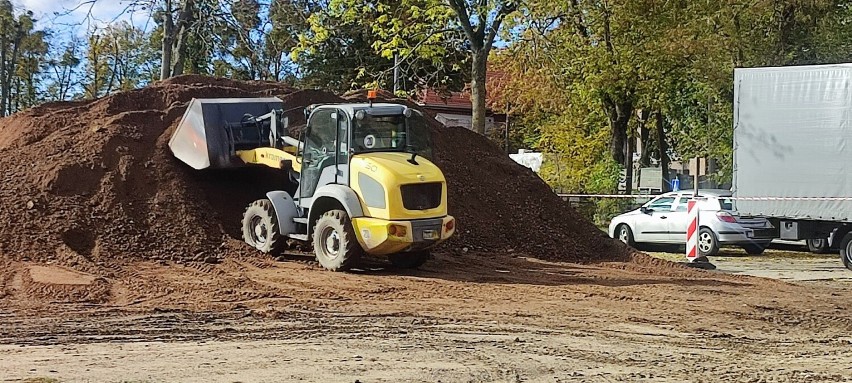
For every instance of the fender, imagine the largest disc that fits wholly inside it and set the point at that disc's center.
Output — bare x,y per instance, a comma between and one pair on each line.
334,196
285,211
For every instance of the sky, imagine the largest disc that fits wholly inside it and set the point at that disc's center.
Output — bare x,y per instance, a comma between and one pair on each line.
79,15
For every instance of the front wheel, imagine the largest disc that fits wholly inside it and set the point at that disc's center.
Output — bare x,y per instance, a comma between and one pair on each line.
818,245
335,245
846,251
411,260
260,227
625,235
708,245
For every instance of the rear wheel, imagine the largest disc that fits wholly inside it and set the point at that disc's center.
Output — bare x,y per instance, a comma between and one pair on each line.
411,260
260,227
625,235
335,244
754,249
846,251
708,245
818,245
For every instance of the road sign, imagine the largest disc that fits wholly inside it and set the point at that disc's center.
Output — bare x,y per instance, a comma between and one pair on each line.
675,184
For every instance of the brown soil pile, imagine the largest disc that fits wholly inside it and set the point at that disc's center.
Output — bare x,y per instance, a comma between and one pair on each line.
89,182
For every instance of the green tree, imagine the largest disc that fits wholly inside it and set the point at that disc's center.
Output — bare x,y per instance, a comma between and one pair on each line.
481,21
63,65
119,57
356,43
22,49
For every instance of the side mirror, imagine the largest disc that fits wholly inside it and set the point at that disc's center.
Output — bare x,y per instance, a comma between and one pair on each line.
646,210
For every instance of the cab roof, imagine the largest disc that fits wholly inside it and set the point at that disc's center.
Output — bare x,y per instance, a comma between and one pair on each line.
377,109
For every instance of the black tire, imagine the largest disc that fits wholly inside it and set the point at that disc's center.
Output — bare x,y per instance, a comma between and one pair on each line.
846,251
410,260
754,249
260,227
818,245
708,244
335,244
625,235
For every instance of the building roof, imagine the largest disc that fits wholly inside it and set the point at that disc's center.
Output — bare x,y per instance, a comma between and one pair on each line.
433,98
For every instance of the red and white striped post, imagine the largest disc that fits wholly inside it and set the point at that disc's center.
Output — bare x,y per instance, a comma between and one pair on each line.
692,252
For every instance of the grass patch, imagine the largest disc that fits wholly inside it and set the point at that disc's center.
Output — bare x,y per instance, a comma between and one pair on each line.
41,380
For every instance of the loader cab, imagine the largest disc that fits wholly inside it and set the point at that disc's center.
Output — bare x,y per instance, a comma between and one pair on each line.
336,133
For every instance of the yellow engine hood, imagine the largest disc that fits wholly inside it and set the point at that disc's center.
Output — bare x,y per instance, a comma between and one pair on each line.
392,171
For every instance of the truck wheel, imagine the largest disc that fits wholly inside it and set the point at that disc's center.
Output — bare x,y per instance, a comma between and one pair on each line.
260,227
335,244
818,245
846,251
708,245
753,249
411,260
625,235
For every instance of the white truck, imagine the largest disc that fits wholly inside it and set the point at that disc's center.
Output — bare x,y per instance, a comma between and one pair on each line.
793,152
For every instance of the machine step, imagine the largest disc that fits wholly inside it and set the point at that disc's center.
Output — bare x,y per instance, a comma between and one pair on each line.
299,237
302,220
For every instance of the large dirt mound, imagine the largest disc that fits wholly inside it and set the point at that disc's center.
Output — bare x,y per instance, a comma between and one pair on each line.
89,182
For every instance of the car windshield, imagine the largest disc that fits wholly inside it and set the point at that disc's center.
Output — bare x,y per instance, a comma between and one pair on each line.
391,134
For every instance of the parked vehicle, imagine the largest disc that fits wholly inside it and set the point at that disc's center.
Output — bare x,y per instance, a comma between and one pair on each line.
792,162
664,220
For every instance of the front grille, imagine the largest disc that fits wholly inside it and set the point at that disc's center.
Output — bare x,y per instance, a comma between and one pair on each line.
421,196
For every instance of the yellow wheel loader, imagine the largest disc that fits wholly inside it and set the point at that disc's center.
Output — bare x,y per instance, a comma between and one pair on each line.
360,186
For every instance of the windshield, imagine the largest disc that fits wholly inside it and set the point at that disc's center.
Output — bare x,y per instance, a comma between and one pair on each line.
391,134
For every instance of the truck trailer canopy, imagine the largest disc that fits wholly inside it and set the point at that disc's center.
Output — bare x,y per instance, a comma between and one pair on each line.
793,138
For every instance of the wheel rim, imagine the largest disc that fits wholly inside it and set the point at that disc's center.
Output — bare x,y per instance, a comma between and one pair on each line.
259,232
331,242
817,243
849,252
705,242
624,235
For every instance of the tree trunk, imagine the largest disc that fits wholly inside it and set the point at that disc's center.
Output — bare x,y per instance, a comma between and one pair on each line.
663,151
185,20
12,67
645,139
477,90
4,88
168,36
628,165
618,114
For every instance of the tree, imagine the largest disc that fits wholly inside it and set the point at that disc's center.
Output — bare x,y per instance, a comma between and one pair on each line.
63,64
118,58
357,43
7,29
481,21
412,24
176,23
21,57
30,62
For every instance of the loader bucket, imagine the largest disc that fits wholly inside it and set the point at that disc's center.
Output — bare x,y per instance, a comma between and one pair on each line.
201,139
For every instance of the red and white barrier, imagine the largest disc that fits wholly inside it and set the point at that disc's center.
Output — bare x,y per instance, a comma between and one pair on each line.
692,252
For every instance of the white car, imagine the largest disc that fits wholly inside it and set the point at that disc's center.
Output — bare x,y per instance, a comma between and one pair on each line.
664,220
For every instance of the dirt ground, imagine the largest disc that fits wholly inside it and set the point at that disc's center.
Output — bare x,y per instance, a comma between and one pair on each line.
471,318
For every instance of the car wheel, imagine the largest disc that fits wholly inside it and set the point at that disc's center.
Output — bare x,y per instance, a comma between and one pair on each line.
818,245
754,249
625,235
846,251
707,242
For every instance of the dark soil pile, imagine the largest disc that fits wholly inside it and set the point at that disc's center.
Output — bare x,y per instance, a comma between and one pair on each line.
89,182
